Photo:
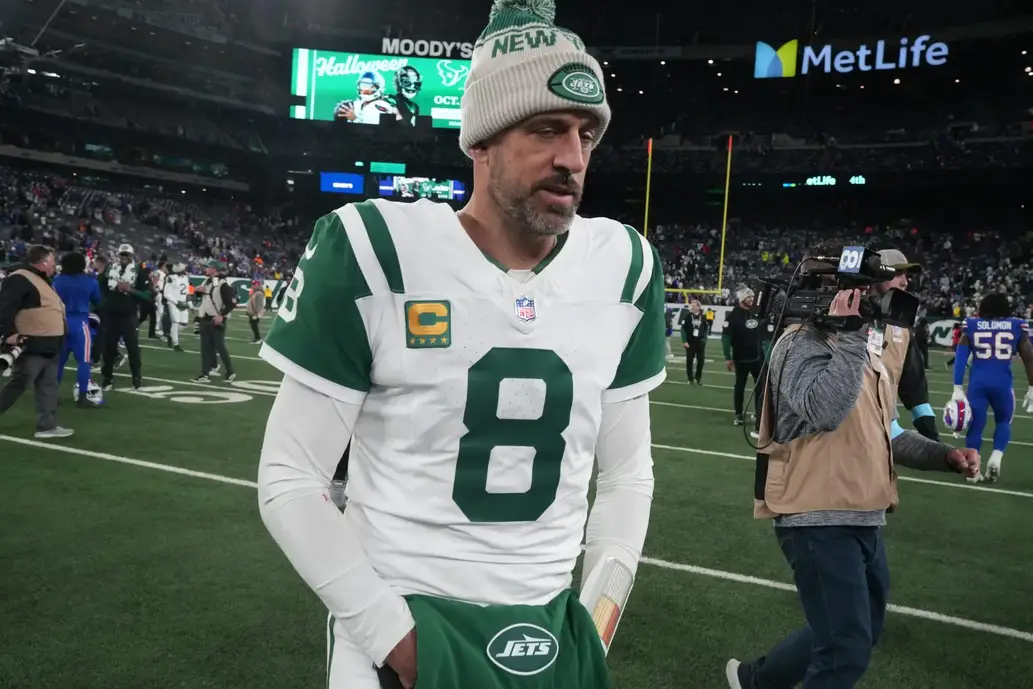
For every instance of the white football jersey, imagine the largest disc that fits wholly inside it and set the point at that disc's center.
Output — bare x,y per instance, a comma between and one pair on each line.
481,391
177,291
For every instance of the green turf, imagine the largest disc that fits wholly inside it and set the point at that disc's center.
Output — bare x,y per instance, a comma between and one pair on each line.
122,576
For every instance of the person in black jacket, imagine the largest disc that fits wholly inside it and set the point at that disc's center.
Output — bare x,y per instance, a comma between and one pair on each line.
32,317
123,287
913,387
743,341
695,329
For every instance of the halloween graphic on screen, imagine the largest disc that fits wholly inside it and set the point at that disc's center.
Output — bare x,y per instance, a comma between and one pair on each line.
356,88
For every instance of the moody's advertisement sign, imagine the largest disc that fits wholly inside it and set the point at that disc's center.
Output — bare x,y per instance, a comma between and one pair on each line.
905,53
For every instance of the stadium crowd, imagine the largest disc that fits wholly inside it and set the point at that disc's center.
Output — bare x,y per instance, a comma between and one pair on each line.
67,213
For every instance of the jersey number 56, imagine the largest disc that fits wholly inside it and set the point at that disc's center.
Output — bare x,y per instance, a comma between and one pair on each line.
999,345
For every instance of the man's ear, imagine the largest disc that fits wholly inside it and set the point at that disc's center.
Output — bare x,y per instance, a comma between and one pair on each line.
479,152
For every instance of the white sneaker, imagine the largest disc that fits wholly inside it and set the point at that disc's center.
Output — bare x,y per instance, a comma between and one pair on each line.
974,479
732,674
55,432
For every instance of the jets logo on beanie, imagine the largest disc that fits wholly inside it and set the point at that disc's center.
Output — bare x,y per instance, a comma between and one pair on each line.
524,65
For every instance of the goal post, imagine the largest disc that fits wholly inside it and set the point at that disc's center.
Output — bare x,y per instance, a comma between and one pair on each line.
724,218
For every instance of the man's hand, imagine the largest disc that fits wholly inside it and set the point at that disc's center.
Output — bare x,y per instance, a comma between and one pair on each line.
123,287
959,395
730,365
846,303
402,659
15,339
217,321
965,461
685,345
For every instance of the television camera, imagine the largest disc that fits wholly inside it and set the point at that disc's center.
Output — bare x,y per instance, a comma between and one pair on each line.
808,294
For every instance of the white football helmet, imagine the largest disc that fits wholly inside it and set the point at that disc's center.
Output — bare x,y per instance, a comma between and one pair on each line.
94,395
957,415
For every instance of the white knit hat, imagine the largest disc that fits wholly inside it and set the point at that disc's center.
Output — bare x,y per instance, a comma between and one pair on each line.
524,65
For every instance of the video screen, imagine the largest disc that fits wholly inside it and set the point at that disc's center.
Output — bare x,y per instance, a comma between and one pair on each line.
356,88
342,182
402,187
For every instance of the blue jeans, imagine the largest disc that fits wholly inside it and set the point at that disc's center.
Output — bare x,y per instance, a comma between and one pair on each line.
844,582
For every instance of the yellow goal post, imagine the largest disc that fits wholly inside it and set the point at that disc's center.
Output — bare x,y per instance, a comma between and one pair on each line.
724,218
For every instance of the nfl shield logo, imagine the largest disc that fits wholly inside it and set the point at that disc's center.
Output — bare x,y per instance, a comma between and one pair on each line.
525,309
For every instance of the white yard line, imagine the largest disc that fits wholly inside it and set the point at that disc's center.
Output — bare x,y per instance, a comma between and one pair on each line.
662,564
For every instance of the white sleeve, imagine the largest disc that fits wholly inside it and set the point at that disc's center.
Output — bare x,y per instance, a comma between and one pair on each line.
624,487
304,439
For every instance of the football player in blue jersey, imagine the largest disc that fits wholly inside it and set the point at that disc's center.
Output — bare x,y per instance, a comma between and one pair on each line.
993,338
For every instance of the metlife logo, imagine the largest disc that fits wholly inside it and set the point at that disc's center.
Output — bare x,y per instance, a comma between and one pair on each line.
770,63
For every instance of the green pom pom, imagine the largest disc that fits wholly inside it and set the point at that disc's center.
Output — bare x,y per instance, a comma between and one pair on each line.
546,9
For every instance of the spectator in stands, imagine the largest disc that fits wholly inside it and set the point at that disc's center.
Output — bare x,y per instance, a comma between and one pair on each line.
33,317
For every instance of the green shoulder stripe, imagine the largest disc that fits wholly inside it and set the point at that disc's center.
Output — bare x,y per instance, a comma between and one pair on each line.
635,269
318,336
383,245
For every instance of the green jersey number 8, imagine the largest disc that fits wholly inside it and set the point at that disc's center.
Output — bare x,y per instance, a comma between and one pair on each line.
486,431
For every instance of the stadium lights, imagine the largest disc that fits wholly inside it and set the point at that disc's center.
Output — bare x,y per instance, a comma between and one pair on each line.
640,93
663,62
726,88
1024,52
710,62
619,88
896,81
613,75
719,74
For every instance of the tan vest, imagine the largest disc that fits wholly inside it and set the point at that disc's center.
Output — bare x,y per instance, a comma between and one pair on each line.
45,320
211,301
850,468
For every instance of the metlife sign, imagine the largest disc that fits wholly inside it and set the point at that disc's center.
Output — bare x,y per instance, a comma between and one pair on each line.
770,63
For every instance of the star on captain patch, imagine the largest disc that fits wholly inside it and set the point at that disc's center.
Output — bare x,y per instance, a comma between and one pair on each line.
525,309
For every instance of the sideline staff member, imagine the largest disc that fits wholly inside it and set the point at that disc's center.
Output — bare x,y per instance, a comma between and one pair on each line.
695,329
31,314
913,386
217,302
743,343
825,476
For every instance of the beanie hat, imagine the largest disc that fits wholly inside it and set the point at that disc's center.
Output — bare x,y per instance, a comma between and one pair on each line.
524,65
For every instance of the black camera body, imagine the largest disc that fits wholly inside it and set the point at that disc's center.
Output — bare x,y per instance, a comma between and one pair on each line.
807,296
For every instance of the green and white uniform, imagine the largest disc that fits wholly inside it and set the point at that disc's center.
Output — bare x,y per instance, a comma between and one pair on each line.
481,391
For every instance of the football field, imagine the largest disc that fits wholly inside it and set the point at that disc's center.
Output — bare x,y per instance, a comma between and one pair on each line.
132,555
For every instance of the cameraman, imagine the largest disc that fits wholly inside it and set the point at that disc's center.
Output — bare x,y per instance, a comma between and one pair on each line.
824,474
33,317
913,386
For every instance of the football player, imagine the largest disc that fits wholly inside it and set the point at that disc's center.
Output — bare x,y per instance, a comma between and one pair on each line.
176,295
993,338
408,83
158,282
459,355
371,103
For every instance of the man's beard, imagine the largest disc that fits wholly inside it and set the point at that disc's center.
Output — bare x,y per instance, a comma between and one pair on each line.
519,206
